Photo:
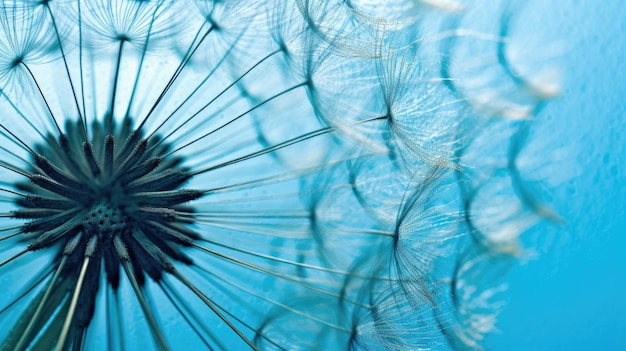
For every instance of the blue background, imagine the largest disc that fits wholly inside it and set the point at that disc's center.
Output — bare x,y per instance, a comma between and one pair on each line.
572,296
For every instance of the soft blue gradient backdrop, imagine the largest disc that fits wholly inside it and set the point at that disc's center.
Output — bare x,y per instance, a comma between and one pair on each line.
572,296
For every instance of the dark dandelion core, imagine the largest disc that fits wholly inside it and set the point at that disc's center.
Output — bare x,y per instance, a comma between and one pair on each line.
122,197
115,199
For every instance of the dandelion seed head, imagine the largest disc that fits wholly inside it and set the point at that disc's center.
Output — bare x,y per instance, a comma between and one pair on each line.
109,22
271,175
23,39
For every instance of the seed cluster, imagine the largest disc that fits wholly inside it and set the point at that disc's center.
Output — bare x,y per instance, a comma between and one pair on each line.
358,166
120,201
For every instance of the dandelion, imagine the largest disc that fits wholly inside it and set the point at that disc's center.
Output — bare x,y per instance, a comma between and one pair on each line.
265,175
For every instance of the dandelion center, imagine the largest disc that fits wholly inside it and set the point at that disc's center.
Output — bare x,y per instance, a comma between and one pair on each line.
105,218
117,191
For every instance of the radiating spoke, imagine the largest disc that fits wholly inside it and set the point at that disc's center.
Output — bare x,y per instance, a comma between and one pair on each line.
154,327
215,309
22,342
74,302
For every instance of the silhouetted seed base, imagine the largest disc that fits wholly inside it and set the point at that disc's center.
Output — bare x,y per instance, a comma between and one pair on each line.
115,198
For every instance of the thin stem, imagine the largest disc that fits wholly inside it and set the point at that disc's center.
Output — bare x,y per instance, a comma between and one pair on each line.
218,95
284,277
8,236
255,330
120,324
139,69
19,112
286,261
279,304
277,178
14,257
190,51
19,142
269,149
32,76
80,68
109,121
32,285
67,70
70,313
154,327
238,117
185,317
214,308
